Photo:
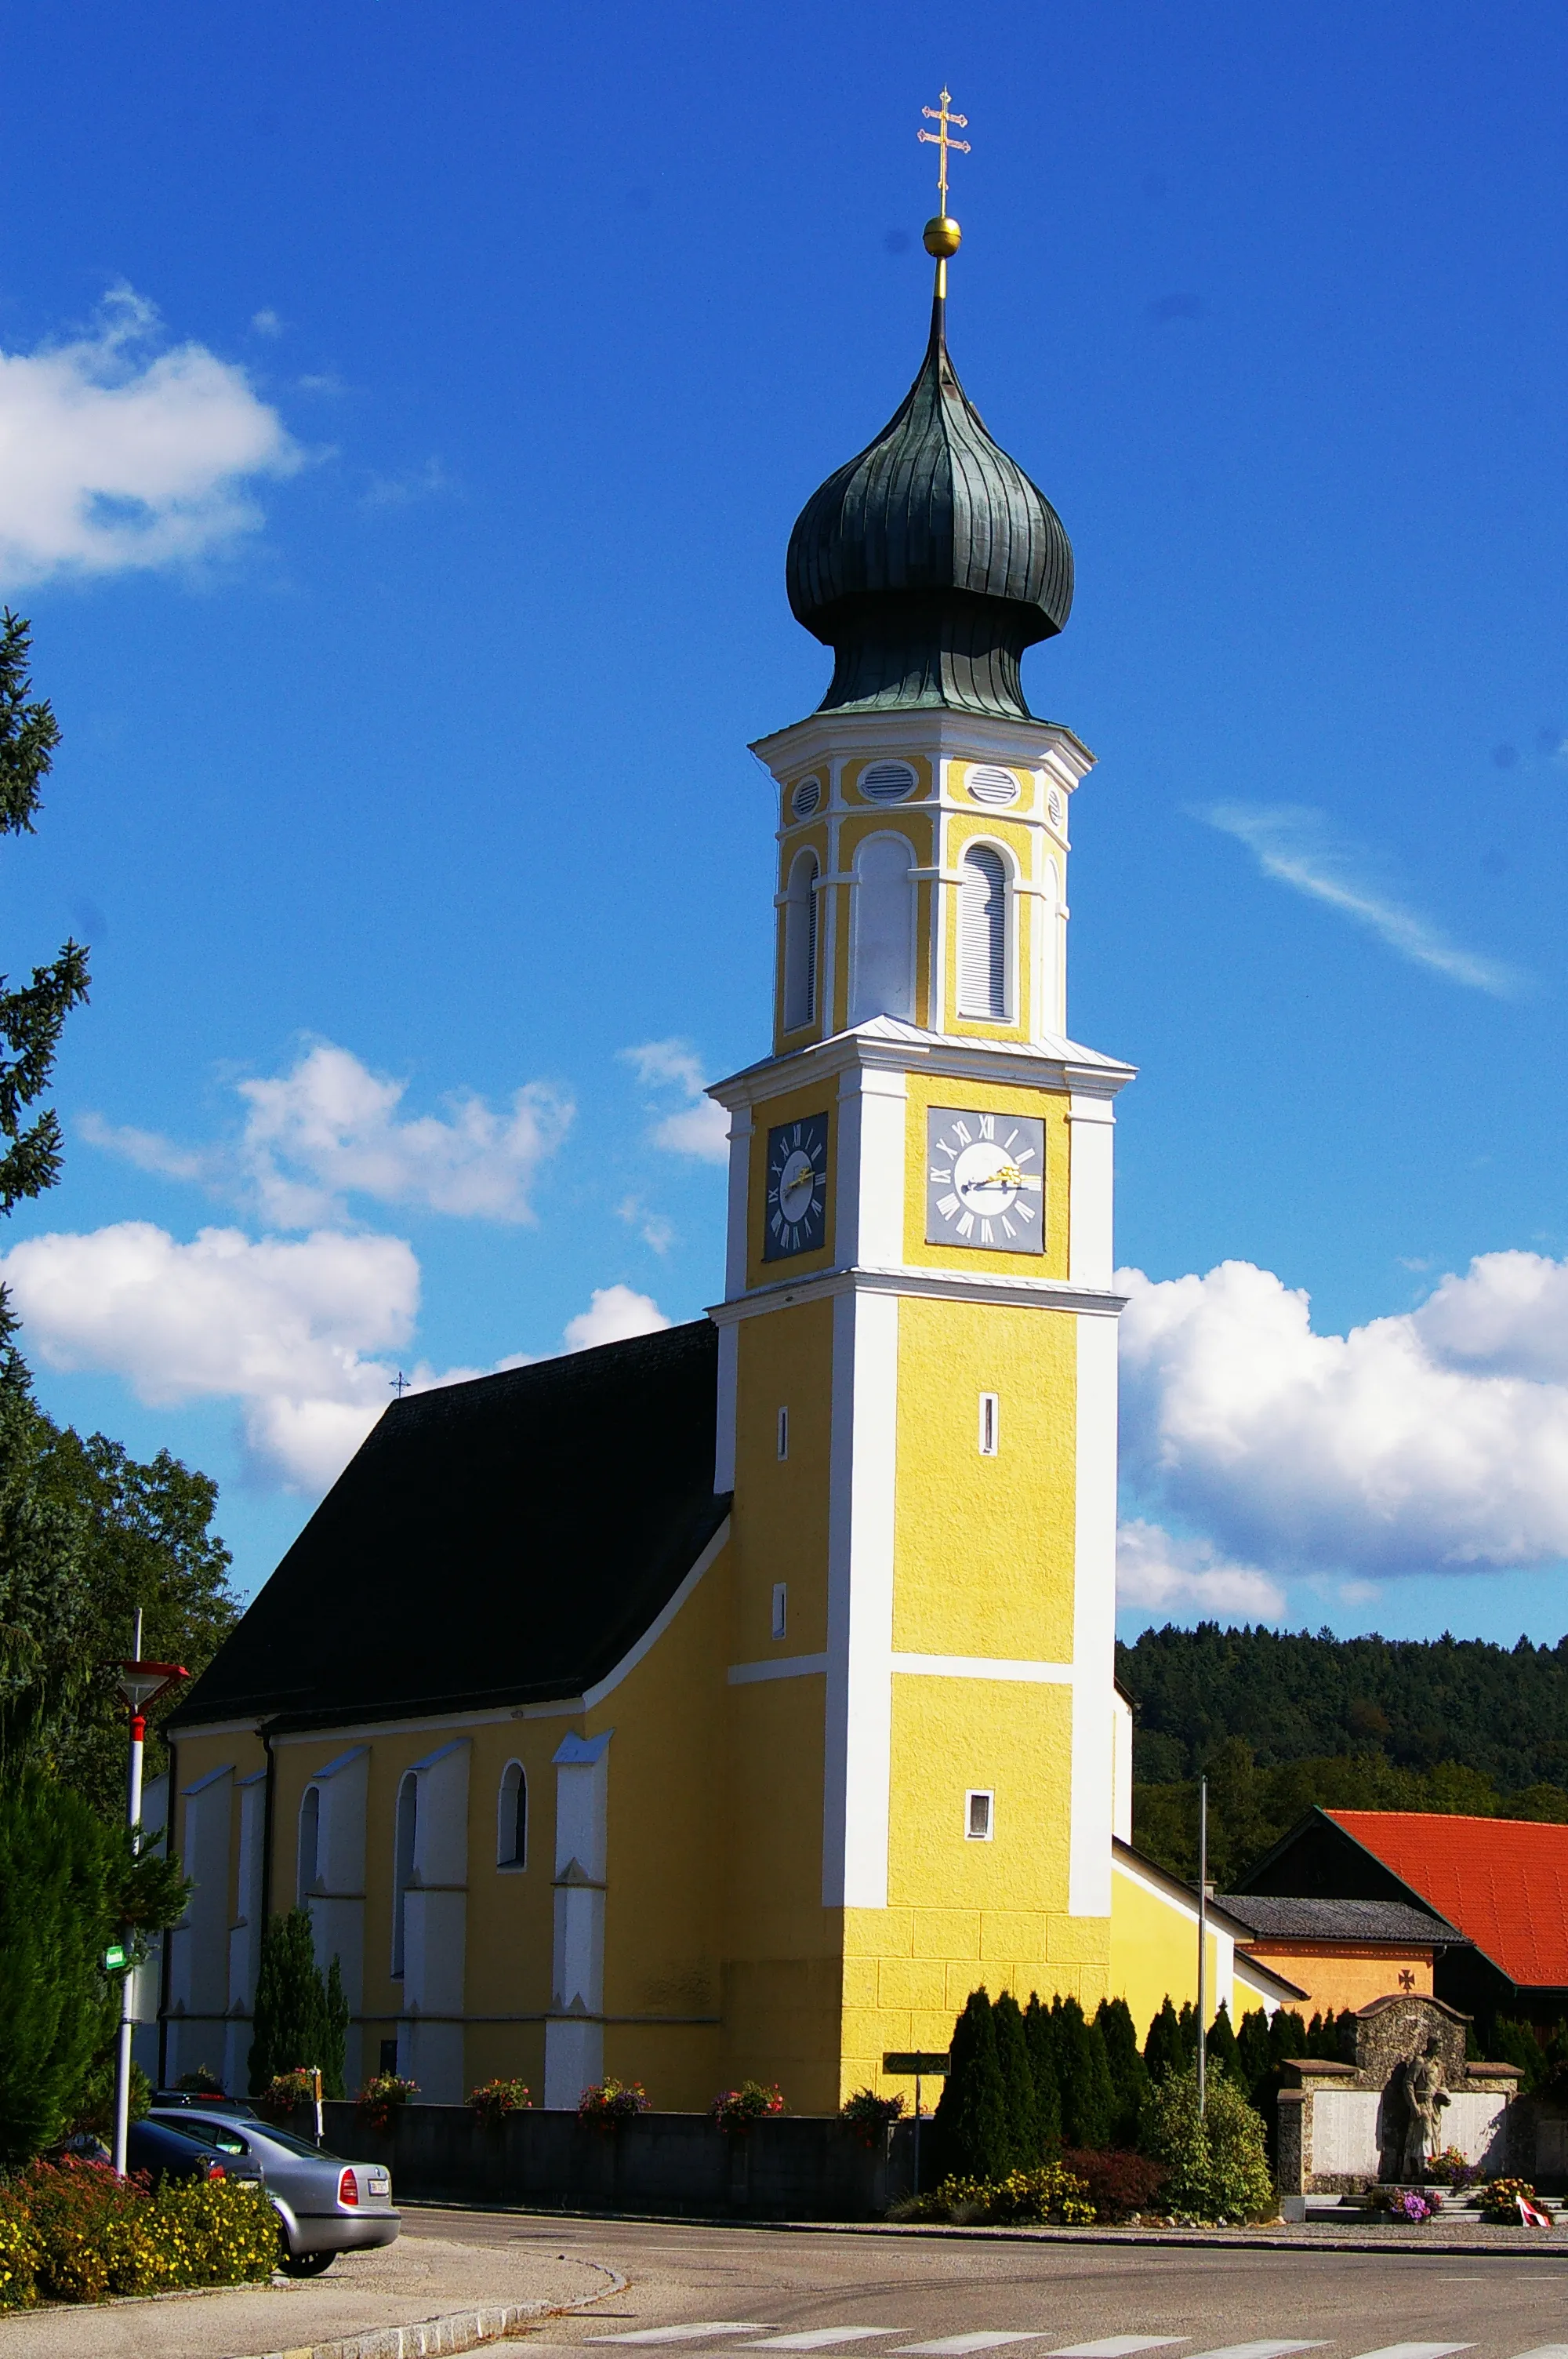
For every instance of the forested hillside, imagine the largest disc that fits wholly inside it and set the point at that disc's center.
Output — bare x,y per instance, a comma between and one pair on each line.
1280,1721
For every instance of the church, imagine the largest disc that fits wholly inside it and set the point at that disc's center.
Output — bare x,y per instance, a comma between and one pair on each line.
731,1701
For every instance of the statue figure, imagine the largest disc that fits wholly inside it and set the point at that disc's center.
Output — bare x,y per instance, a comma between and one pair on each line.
1419,2080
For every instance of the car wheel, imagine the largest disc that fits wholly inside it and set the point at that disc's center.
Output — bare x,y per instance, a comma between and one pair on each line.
304,2265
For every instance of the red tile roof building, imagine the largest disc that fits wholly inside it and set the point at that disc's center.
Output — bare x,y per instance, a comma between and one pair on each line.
1502,1882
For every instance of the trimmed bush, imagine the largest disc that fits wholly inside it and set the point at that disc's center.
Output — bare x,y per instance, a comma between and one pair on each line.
1164,2050
73,2231
1220,2048
971,2123
1088,2100
1217,2166
1119,2184
1129,2073
1040,2040
1025,2146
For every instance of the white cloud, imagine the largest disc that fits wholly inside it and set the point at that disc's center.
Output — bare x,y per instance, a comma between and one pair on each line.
113,454
329,1128
266,324
1170,1575
299,1333
1293,845
700,1127
288,1329
614,1313
1435,1439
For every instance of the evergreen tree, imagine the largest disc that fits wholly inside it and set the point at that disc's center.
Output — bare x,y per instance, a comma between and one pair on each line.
1220,2048
1088,2098
1253,2054
68,1886
1288,2036
1187,2025
971,2117
1018,2083
300,2019
1164,2050
1041,2046
1129,2073
335,2026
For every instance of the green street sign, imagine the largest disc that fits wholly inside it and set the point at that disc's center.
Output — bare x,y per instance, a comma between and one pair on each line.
114,1957
934,2066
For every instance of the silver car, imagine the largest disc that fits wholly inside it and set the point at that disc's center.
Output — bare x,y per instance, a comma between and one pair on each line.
325,2206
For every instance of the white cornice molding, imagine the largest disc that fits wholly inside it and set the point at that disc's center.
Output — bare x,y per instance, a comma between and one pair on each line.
931,1285
930,730
886,1042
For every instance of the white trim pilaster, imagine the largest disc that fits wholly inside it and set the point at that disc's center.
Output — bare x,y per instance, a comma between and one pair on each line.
861,1507
1091,1255
1094,1622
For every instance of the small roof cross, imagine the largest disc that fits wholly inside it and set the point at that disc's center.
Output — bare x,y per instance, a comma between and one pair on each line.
942,116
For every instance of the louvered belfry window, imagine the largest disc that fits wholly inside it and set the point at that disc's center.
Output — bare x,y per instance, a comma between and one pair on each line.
983,935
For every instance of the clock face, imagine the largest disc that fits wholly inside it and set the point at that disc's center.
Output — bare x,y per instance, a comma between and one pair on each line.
795,1214
985,1180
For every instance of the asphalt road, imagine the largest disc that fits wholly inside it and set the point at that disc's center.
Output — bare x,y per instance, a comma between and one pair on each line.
696,2290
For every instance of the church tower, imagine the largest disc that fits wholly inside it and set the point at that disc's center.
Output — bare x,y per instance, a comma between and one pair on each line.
918,1342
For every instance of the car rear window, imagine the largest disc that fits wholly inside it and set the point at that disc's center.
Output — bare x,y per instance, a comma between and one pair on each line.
292,2145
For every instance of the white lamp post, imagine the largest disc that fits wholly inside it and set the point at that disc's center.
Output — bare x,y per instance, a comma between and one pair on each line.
140,1684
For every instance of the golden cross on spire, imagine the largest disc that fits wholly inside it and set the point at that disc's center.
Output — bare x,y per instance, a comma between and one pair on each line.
940,139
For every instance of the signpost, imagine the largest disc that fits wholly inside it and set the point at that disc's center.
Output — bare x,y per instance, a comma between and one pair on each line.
932,2064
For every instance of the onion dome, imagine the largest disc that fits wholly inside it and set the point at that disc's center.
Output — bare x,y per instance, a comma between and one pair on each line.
930,562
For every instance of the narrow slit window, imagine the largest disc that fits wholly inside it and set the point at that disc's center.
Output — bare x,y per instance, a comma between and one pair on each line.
987,1425
404,1843
783,1433
800,944
781,1608
309,1842
511,1818
977,1814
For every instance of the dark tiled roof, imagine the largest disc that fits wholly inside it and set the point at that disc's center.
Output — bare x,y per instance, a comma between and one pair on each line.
1279,1918
500,1541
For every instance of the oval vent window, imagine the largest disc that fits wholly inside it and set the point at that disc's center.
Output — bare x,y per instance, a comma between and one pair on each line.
1056,808
806,797
989,784
887,782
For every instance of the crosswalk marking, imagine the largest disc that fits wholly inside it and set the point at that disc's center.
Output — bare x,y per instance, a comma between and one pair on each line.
1416,2350
1258,2350
693,2334
954,2346
1122,2346
821,2338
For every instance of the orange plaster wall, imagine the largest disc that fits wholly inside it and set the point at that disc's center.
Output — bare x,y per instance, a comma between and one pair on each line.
1338,1977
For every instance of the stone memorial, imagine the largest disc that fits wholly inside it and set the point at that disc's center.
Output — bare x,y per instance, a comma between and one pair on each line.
1401,2092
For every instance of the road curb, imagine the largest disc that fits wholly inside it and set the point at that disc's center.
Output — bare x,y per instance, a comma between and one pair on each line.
459,2329
1546,2243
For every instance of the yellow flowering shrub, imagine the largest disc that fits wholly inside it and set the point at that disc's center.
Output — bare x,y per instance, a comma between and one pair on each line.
73,2232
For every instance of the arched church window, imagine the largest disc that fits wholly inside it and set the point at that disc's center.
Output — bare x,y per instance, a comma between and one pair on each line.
511,1818
309,1842
983,935
403,1861
884,931
800,944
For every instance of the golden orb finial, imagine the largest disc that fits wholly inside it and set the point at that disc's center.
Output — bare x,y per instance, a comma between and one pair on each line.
941,237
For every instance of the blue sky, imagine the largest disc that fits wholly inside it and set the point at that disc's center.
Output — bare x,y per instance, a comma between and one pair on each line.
402,418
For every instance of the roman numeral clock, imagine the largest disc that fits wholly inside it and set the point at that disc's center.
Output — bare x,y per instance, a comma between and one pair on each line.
985,1180
796,1213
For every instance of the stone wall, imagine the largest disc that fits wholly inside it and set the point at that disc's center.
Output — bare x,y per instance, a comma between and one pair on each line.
802,2167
